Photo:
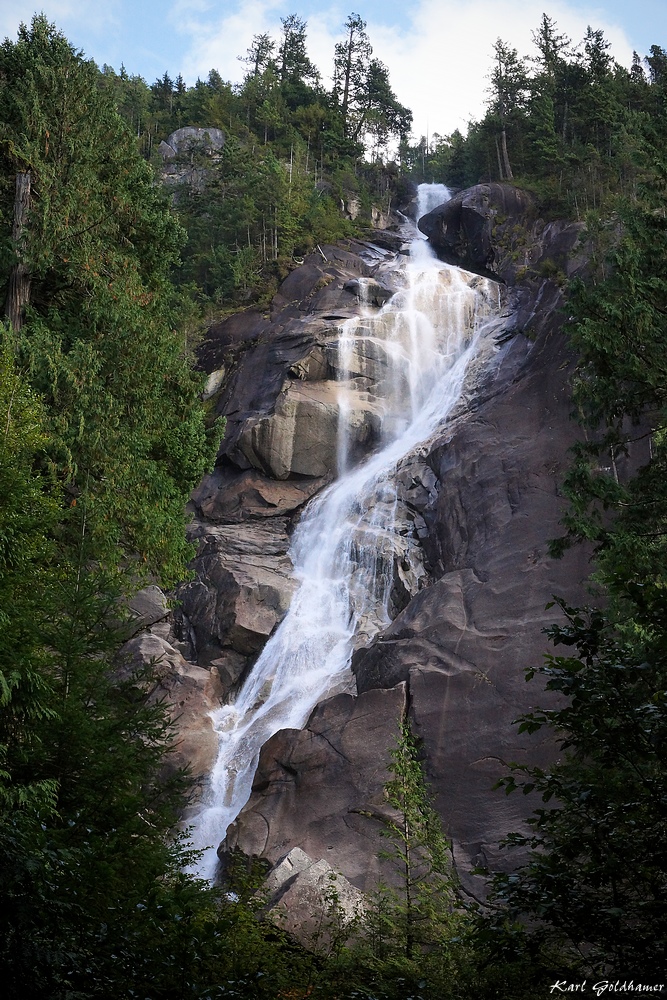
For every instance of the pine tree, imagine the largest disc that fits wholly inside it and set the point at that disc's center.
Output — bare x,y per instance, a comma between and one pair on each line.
29,513
595,883
295,66
508,88
424,900
594,886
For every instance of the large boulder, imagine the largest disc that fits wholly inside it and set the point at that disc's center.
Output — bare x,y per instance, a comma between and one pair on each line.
230,495
185,154
301,436
311,901
462,229
242,585
191,694
189,140
322,788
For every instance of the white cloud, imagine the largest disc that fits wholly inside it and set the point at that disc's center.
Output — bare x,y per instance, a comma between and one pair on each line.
217,45
438,62
439,66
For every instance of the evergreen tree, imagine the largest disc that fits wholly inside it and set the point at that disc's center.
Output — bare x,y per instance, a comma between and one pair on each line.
419,851
29,513
351,63
552,48
362,90
618,329
508,88
259,54
295,66
595,884
94,248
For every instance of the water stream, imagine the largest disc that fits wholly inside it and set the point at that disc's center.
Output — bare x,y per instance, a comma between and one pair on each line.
351,537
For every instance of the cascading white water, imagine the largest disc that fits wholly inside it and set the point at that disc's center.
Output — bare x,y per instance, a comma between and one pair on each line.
429,196
345,547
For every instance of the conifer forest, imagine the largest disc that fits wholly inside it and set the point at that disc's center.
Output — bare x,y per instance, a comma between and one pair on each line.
119,252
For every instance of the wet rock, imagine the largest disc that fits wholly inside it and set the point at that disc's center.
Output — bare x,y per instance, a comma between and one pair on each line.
230,496
322,788
387,239
369,292
462,229
300,438
229,668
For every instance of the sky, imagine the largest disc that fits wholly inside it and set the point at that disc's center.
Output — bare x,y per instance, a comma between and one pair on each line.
438,51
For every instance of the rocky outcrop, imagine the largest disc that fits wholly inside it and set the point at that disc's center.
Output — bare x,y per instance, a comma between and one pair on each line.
311,901
242,586
185,154
190,691
280,393
321,788
467,230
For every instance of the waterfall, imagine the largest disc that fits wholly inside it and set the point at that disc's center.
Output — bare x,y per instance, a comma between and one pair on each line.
429,196
347,545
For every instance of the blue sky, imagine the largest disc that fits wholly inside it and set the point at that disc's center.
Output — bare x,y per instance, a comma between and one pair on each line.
438,51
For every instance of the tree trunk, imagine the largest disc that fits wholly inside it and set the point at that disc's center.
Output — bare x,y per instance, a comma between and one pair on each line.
500,165
18,294
506,160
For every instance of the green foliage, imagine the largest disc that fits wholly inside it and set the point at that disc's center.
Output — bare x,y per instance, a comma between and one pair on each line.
126,430
618,327
275,189
419,852
28,514
417,930
597,874
567,122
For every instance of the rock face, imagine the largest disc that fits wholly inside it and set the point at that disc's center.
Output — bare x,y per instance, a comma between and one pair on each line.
321,788
479,504
190,139
487,495
184,154
190,691
279,394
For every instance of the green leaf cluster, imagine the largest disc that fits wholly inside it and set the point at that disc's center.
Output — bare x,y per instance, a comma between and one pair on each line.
98,342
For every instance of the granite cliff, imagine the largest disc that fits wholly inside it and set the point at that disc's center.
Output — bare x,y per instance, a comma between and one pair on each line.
478,505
